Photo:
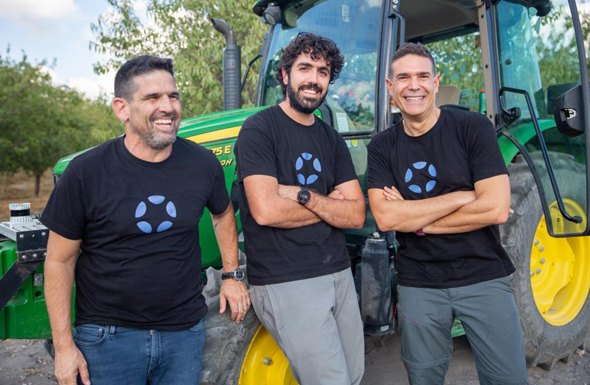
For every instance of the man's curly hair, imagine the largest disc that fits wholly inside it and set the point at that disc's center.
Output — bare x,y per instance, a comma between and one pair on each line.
318,47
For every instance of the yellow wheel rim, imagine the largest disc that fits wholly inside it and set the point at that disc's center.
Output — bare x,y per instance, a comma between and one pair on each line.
560,267
265,363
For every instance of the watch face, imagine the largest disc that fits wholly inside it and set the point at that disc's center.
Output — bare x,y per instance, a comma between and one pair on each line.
303,196
239,275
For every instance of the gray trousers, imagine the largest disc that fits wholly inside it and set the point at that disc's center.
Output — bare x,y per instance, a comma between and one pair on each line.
490,319
317,324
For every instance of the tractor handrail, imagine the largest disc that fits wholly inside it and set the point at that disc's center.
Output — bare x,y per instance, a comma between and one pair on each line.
544,151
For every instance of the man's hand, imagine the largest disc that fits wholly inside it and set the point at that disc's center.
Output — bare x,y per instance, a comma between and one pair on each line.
69,362
236,294
392,194
336,195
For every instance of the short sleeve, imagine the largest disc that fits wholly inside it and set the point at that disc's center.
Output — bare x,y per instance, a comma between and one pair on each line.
218,198
380,173
64,213
485,158
344,168
255,151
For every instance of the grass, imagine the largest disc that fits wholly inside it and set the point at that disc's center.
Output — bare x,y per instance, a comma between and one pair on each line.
19,188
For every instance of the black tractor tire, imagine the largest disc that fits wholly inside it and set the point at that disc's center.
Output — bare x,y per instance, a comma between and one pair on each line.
545,343
226,345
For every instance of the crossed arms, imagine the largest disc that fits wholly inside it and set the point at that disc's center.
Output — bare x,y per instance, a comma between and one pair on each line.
456,212
276,205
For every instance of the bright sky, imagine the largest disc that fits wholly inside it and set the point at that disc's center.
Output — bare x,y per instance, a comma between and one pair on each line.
56,29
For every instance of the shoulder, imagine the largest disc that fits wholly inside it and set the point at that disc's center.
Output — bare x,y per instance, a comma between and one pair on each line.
193,150
331,131
386,137
261,119
96,155
467,118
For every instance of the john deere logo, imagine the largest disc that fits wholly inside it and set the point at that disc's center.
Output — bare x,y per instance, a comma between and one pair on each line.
302,166
421,176
158,218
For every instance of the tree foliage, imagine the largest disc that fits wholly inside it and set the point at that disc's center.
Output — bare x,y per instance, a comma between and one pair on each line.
182,30
458,61
41,122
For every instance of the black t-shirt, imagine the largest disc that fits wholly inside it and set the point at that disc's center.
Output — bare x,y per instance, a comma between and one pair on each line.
140,264
315,157
458,151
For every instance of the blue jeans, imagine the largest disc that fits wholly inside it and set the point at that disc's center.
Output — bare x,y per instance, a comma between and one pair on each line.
120,355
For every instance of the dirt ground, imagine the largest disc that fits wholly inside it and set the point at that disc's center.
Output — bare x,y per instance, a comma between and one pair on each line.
19,188
25,362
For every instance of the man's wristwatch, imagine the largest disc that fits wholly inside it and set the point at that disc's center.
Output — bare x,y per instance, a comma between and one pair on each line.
303,196
238,275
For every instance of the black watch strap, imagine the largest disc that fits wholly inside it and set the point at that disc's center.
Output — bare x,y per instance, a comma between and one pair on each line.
238,275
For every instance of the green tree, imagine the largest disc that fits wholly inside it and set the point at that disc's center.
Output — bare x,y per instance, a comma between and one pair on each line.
41,122
182,30
458,61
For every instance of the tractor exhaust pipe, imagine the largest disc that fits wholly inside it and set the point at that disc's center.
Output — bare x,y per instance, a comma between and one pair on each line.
232,97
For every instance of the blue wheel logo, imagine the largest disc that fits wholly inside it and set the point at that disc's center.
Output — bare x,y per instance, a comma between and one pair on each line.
164,225
304,159
416,186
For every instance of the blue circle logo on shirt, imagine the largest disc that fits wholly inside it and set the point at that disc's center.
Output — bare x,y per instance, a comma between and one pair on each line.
162,224
300,166
414,176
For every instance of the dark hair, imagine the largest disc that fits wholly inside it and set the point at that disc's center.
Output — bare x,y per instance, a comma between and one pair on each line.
139,65
318,47
412,49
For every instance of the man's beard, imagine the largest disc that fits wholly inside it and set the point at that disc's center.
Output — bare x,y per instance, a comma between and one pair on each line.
150,136
303,104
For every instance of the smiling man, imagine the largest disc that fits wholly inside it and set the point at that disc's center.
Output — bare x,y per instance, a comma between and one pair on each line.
298,190
438,179
133,205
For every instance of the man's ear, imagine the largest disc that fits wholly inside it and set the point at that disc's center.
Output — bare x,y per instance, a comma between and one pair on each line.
121,108
436,82
389,86
285,76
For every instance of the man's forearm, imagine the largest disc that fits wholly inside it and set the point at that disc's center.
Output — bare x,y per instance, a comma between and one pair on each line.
341,213
473,216
411,215
224,226
286,214
491,207
59,283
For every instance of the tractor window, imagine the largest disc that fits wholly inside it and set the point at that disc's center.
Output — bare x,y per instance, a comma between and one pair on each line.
355,27
537,54
458,61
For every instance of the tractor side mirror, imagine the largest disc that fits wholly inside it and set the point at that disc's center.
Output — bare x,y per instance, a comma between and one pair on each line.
569,113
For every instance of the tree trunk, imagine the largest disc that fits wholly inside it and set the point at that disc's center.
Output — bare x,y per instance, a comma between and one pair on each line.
37,184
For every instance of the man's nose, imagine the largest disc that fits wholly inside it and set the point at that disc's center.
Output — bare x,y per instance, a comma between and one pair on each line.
166,104
414,83
314,77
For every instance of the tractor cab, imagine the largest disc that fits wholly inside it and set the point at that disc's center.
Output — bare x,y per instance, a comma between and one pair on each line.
519,62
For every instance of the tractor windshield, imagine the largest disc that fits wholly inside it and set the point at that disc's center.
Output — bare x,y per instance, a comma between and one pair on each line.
355,27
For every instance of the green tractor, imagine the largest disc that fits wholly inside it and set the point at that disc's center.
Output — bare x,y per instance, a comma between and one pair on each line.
520,62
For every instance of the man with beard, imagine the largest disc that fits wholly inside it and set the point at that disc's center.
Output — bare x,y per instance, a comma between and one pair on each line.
298,190
132,205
